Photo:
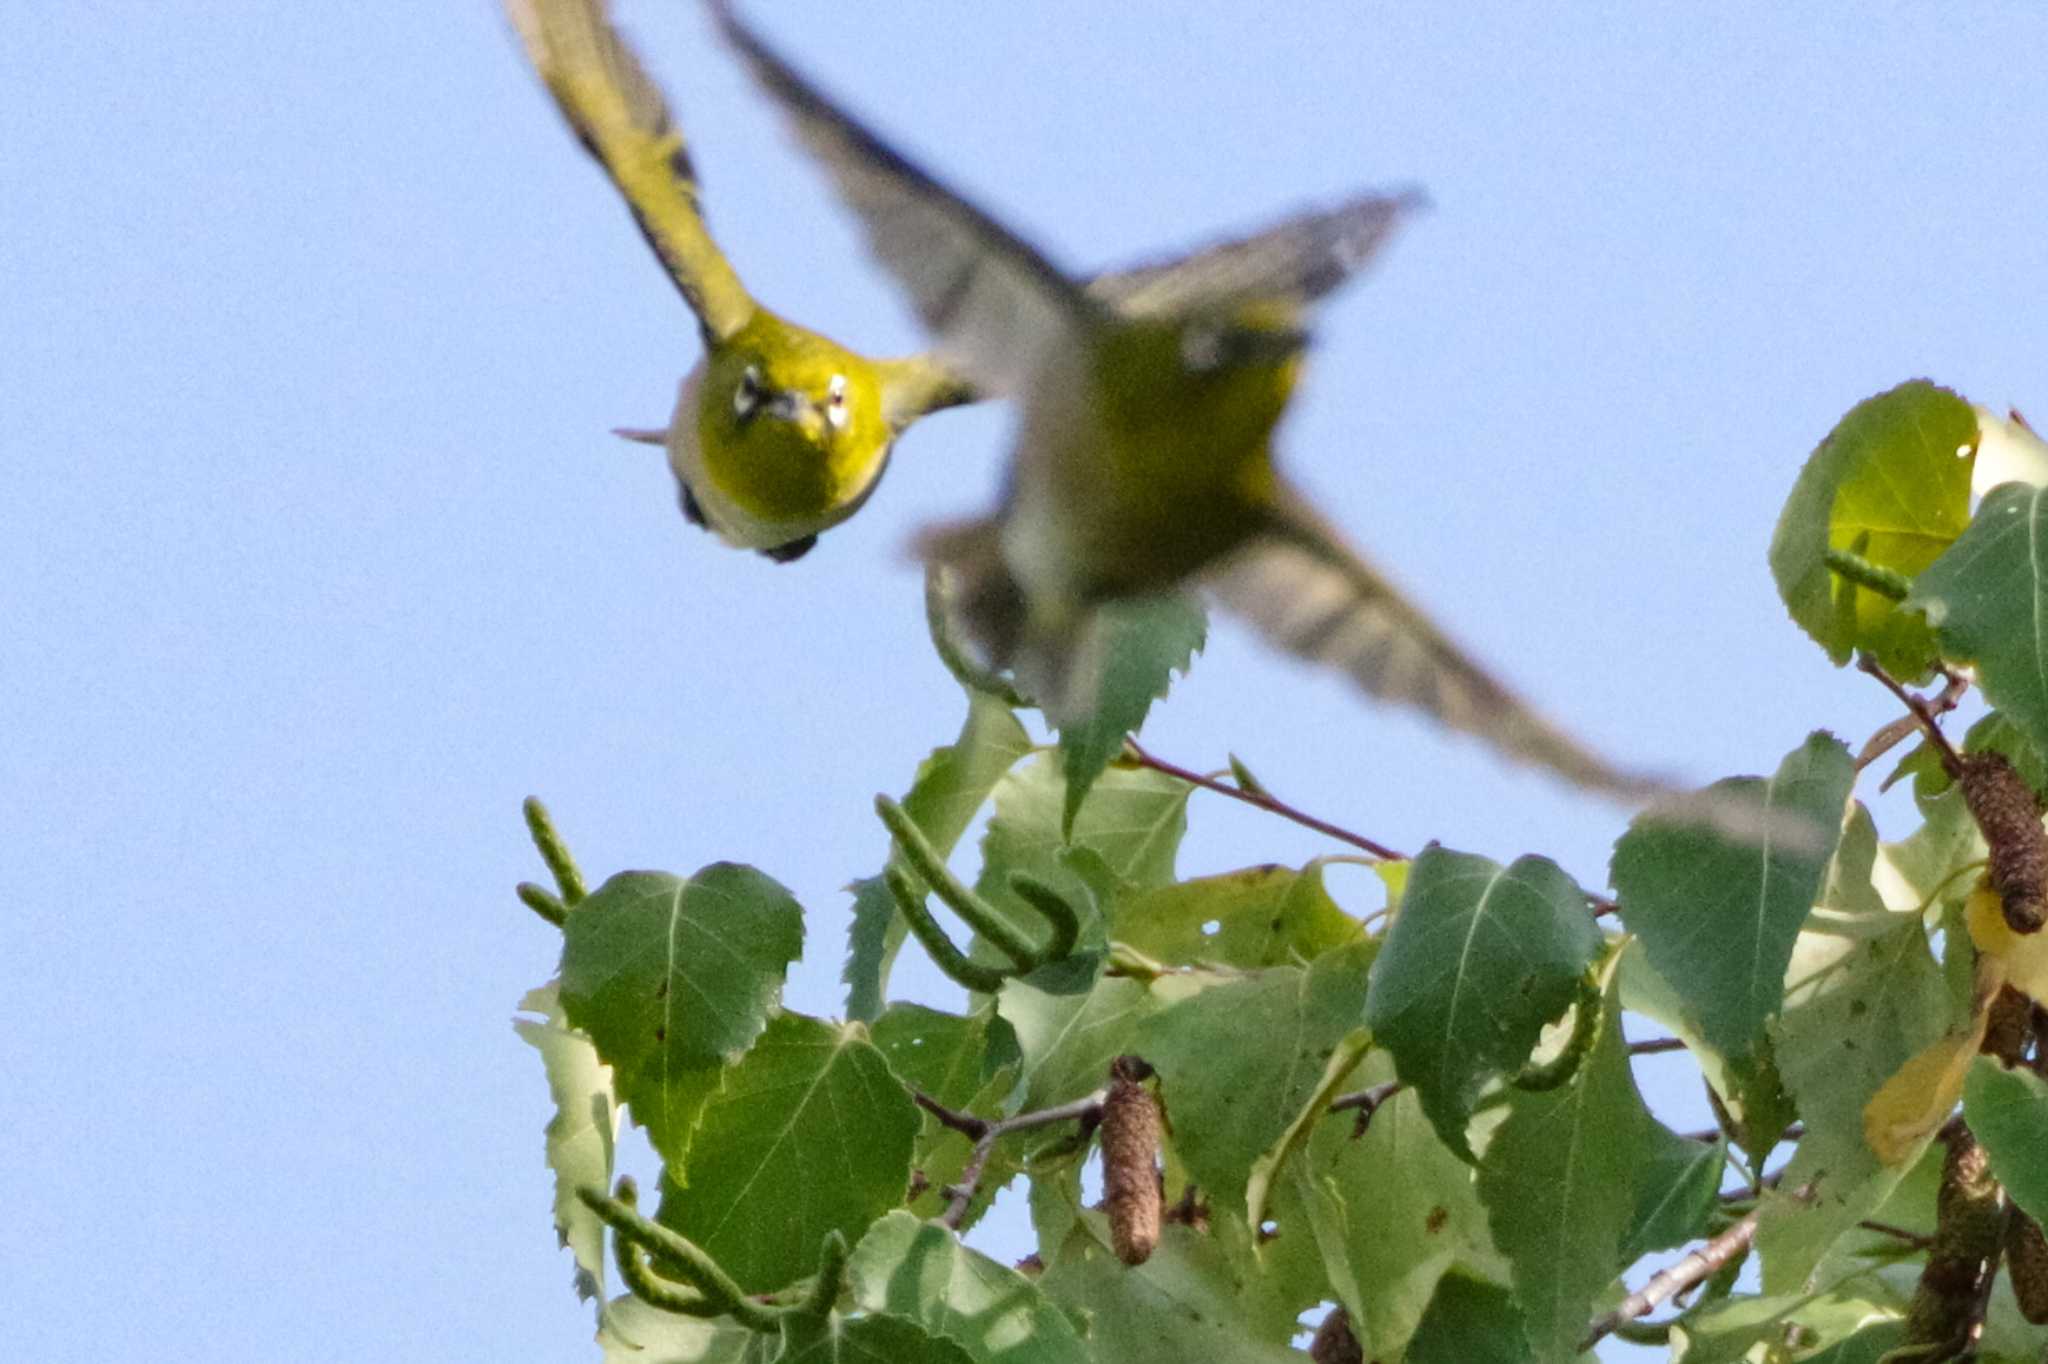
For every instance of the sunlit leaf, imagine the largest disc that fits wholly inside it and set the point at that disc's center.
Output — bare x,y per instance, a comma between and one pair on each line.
580,1136
918,1270
636,1332
1891,483
1259,916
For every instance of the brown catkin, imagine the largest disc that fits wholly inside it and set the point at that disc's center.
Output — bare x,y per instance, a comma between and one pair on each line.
1968,1222
2008,1022
1130,1161
2009,815
1334,1343
2026,1259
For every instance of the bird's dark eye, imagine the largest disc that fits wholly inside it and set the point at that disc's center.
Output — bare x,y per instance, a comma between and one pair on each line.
835,400
747,396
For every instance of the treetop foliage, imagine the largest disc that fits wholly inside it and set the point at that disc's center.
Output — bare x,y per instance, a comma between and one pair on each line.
1421,1127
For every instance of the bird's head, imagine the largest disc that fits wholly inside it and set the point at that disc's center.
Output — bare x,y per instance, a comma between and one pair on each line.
790,423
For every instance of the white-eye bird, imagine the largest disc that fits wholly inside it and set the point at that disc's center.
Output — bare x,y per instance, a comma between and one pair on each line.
1144,459
778,433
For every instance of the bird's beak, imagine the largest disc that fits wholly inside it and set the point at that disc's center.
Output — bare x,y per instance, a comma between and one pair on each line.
800,411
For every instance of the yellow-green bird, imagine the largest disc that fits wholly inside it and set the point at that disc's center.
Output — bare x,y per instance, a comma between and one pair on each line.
1144,461
778,433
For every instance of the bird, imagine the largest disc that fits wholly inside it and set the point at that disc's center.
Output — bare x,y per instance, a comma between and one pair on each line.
779,432
1144,462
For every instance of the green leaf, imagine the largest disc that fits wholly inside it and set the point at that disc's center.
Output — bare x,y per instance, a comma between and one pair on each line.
1392,1210
949,788
1189,1302
581,1135
669,978
1987,599
1479,958
1717,916
942,1055
1141,643
1237,1061
1469,1322
1559,1183
1260,916
1134,822
1068,1040
918,1270
2007,1109
1863,995
938,1052
1723,1332
1891,483
1867,1345
636,1332
809,1133
1916,872
1676,1192
864,1340
1128,834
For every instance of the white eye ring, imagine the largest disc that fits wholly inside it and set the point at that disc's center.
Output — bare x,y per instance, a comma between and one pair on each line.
747,396
835,400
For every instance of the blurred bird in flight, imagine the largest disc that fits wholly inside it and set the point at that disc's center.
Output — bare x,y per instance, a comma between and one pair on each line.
1144,459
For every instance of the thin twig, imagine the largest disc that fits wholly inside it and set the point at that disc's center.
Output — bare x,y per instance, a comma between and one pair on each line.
1694,1268
1917,1240
1654,1045
1894,732
1367,1102
1923,710
1271,804
1708,1134
1266,802
961,1192
974,1128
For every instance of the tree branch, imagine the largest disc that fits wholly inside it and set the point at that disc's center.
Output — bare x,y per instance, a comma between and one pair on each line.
1695,1268
986,1132
1264,801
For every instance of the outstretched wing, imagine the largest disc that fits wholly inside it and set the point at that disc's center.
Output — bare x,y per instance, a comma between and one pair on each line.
1295,261
992,303
620,117
1311,594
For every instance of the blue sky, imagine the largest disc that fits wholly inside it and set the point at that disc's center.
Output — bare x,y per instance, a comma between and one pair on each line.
315,555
